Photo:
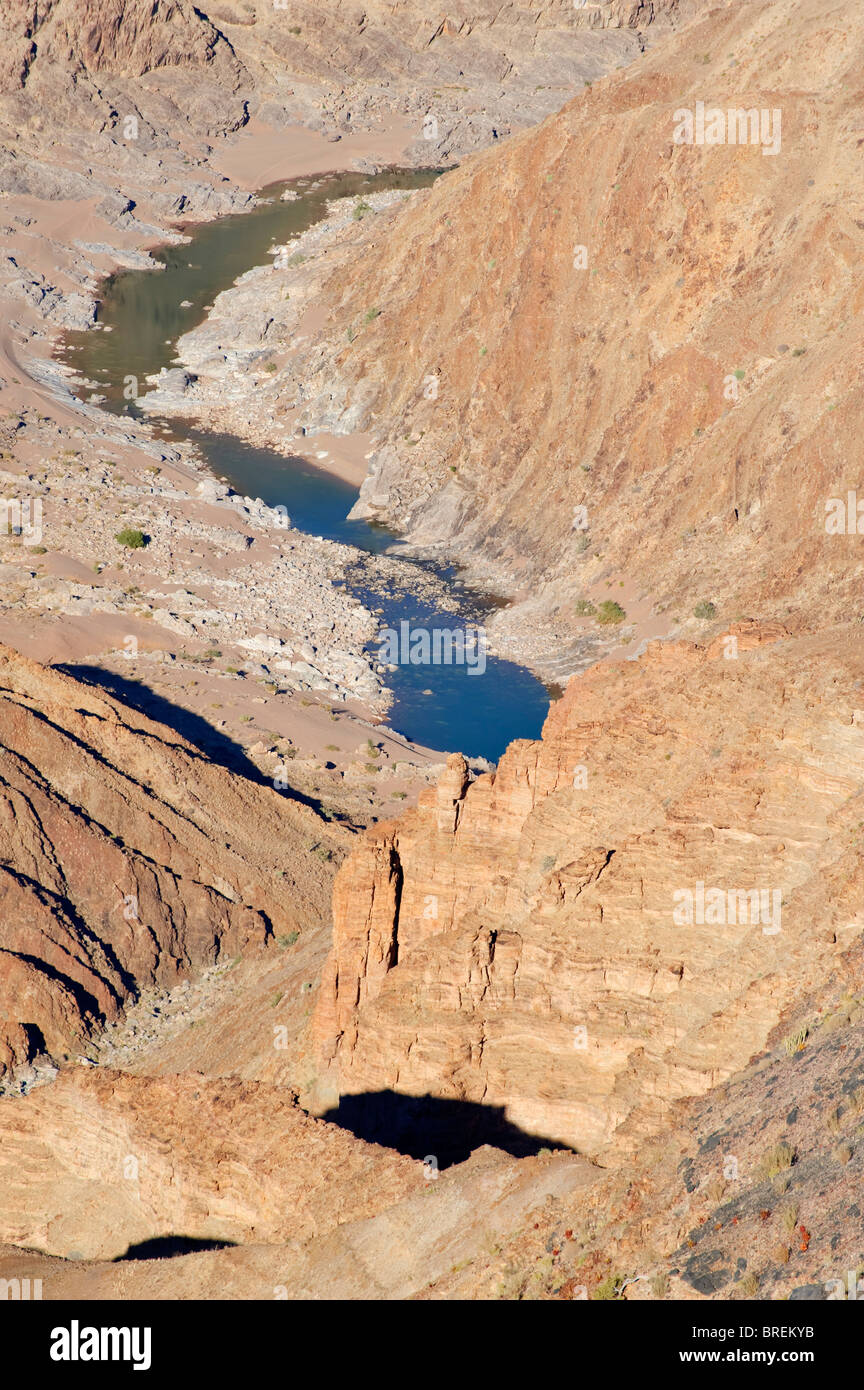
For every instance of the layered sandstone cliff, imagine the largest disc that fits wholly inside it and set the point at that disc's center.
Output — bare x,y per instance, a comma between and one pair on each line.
128,857
520,941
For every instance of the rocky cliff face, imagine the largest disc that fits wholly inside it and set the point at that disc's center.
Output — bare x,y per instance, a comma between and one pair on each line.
523,940
127,858
71,48
657,334
122,38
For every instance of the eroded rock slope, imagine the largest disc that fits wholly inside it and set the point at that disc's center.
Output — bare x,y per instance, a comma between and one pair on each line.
127,857
600,354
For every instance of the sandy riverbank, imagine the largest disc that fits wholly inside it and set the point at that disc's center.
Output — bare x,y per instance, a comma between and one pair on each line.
260,155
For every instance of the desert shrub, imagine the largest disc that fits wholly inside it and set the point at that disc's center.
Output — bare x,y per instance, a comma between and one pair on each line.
795,1041
609,612
609,1289
131,538
775,1160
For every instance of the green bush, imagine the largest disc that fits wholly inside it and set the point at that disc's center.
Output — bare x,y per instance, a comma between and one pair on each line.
610,1289
704,610
609,612
132,539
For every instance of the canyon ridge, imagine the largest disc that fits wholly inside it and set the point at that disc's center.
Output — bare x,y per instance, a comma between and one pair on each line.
333,975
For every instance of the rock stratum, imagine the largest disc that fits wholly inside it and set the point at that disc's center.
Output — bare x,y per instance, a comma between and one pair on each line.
127,858
517,940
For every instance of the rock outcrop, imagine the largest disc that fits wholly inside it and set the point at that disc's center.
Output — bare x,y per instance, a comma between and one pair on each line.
116,38
127,857
320,1215
523,940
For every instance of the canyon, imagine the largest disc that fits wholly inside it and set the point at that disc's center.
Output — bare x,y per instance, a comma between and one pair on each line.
699,305
295,1004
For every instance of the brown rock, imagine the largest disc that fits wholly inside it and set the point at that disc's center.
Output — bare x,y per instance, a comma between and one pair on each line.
476,937
127,858
101,1161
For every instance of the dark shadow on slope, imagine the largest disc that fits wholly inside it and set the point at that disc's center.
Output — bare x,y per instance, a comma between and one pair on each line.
168,1247
212,743
419,1126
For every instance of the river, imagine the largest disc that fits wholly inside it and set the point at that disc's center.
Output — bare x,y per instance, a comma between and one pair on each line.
442,706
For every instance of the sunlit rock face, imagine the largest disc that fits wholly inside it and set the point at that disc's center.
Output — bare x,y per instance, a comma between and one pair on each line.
619,915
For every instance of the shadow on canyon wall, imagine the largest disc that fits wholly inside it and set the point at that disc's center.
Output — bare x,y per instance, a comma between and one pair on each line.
212,743
168,1247
424,1126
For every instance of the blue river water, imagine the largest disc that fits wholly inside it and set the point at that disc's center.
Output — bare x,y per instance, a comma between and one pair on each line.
443,706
